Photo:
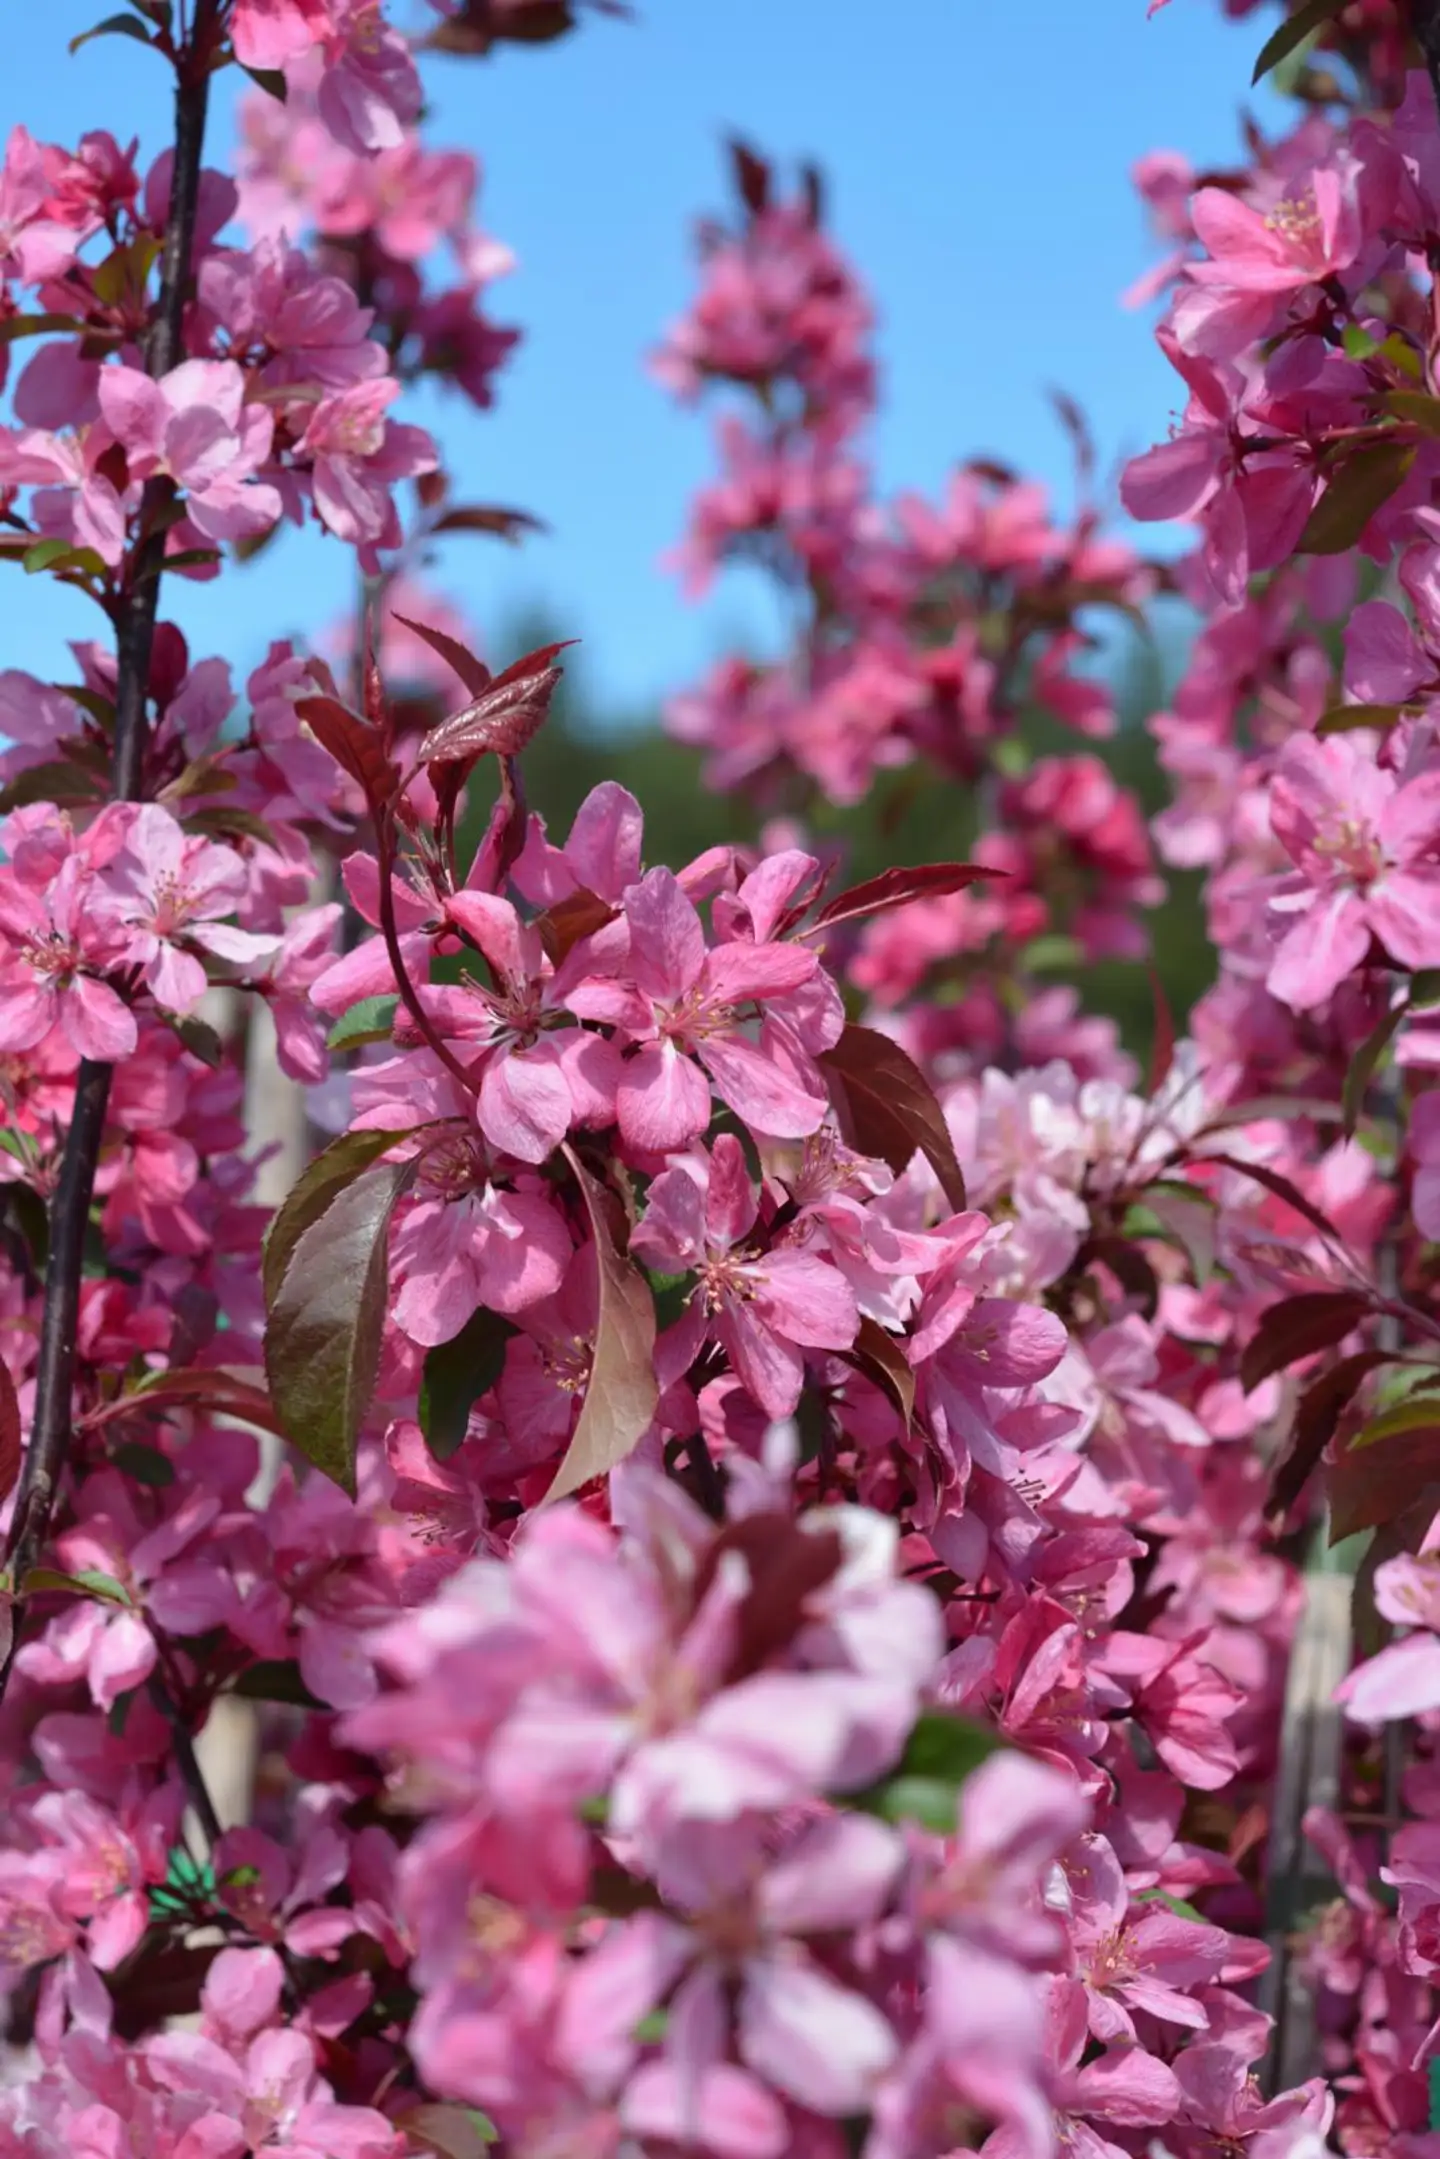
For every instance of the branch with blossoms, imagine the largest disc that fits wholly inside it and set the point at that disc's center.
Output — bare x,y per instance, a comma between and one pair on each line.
770,1631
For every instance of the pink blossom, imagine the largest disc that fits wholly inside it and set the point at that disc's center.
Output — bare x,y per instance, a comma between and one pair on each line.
688,1001
356,455
195,424
764,1307
164,893
58,945
1362,843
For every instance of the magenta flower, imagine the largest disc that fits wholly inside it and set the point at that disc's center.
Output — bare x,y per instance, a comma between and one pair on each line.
34,243
369,92
196,425
1299,240
797,2029
1152,1961
270,33
467,1243
765,1308
56,947
1367,853
686,1003
164,892
356,456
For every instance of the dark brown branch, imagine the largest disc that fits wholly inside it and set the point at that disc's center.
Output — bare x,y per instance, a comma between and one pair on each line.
135,613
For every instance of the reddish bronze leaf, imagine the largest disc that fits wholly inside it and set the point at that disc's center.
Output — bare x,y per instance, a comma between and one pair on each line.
1316,1417
353,743
898,888
887,1107
9,1433
1371,1484
882,1359
1299,1327
503,717
621,1396
578,915
472,672
325,1324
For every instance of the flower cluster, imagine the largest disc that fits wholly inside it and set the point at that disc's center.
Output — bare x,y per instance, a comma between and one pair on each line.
751,1499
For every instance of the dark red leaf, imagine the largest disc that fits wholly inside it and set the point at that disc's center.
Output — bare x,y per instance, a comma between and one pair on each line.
353,743
887,1107
1370,1485
9,1433
503,718
1316,1416
882,1359
472,672
318,1188
1359,487
787,1565
752,176
324,1330
1131,1269
621,1396
1299,1327
212,1388
1282,1189
578,915
1162,1051
898,888
511,525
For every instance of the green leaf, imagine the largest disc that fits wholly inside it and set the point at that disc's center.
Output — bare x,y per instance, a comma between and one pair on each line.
1417,1413
925,1784
448,2132
1359,487
1417,406
192,558
1342,719
87,1582
15,327
1177,1905
59,782
146,1465
270,80
227,821
276,1679
113,26
372,1020
1304,23
321,1185
50,554
327,1316
456,1374
1191,1217
621,1394
200,1038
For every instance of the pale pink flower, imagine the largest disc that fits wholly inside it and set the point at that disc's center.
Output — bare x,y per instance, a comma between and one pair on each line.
164,893
195,425
765,1307
687,1003
356,455
56,946
1367,852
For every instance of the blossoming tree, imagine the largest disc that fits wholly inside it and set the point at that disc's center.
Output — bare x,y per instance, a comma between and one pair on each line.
759,1488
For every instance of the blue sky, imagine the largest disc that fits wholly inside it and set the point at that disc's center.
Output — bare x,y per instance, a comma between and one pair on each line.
978,160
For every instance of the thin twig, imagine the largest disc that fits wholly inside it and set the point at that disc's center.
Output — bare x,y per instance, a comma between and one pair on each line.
136,608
